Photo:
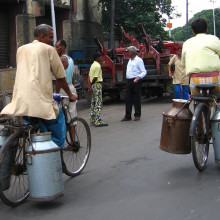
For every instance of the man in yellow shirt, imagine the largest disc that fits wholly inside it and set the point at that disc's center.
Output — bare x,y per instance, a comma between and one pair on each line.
33,90
95,86
200,56
180,80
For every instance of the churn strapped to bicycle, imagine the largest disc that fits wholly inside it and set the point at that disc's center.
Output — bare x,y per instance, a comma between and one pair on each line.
183,132
31,164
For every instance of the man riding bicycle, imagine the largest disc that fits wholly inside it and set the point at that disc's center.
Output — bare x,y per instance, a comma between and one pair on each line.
200,56
33,89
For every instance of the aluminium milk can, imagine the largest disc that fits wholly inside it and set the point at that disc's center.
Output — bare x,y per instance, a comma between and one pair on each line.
215,125
175,128
5,168
44,168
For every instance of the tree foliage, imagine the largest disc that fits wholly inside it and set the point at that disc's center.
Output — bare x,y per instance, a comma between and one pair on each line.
179,34
128,13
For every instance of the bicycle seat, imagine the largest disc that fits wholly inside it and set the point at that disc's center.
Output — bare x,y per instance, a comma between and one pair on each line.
205,87
201,98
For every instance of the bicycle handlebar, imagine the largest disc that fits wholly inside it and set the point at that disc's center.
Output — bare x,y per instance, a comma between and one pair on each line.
64,97
58,97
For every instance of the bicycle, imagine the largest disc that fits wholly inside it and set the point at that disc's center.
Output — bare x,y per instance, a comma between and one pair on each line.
13,172
200,128
77,150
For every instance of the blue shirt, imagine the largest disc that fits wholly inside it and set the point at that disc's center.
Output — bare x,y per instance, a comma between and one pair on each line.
69,70
135,68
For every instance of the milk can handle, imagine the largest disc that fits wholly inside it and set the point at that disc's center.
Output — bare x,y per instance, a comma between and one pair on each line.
175,116
29,161
31,144
170,122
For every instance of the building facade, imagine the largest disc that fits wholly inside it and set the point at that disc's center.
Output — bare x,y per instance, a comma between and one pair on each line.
77,22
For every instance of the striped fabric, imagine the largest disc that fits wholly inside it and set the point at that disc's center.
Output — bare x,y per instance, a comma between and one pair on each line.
205,79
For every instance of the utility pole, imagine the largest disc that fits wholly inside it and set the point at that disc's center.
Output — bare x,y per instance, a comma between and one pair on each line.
213,1
53,22
112,34
169,27
187,25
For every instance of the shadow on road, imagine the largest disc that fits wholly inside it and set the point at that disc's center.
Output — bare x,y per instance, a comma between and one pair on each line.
48,205
164,99
83,104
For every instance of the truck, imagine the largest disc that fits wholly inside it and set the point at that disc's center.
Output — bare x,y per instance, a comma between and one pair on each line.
114,63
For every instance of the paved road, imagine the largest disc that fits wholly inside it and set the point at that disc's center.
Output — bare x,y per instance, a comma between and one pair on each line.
129,178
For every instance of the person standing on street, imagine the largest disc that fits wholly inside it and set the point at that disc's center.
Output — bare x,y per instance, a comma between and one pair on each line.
33,89
180,79
68,65
159,46
95,87
135,72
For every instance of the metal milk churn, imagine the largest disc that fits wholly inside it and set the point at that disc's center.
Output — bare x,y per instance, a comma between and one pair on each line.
175,128
215,125
5,168
44,168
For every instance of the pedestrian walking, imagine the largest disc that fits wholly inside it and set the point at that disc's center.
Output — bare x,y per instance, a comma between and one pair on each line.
180,79
135,72
95,87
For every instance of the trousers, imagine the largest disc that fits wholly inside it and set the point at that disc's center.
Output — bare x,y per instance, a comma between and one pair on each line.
96,104
181,91
57,127
133,97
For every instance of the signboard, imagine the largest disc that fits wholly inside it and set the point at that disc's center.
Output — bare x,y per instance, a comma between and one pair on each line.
169,25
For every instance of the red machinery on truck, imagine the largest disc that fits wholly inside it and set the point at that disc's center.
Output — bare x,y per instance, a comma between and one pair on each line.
114,63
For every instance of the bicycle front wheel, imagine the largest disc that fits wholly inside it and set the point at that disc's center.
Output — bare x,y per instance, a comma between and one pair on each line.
13,174
200,138
76,152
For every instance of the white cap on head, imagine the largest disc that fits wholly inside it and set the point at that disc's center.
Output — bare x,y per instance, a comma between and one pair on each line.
133,49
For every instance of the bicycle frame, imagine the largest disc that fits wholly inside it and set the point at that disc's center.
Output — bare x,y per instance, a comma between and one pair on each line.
19,135
195,118
65,110
200,127
201,101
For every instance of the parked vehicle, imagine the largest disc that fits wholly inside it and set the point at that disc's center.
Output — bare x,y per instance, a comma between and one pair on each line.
114,63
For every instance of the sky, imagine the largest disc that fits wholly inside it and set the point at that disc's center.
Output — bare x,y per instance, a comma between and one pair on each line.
194,6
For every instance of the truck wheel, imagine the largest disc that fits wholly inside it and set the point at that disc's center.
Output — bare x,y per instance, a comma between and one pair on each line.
160,93
114,95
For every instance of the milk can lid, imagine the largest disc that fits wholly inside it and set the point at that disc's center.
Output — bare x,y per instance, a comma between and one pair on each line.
181,100
42,143
40,137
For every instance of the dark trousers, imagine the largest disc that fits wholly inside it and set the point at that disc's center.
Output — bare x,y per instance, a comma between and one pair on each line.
133,97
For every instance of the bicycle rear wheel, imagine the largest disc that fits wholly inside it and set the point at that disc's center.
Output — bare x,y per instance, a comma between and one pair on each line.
200,138
76,152
13,173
